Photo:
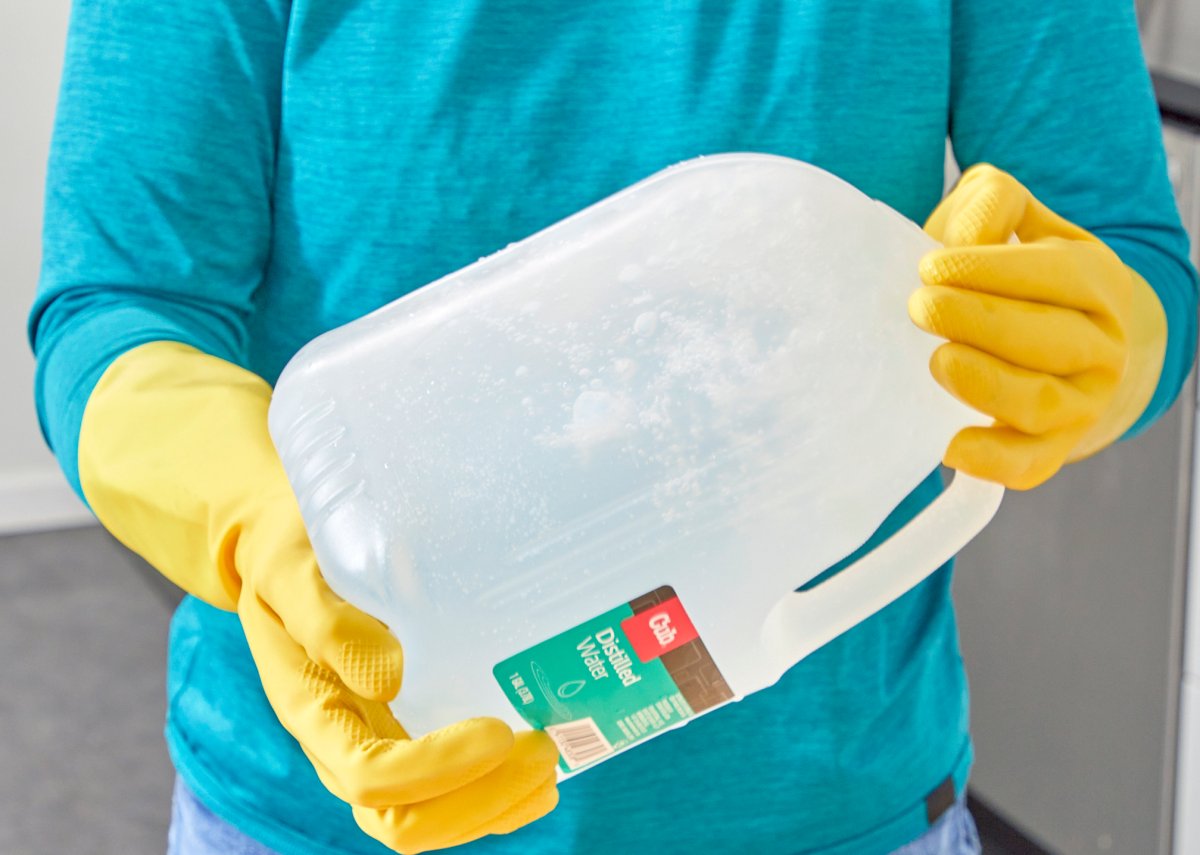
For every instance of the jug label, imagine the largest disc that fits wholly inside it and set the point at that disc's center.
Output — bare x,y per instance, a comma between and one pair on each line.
615,680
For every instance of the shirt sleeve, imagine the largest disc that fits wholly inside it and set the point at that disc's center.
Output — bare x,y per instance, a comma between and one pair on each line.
158,213
1058,94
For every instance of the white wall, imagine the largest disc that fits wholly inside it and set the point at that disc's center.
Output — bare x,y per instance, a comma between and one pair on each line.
33,494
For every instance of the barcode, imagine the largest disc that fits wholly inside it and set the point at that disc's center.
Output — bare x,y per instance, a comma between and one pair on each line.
580,742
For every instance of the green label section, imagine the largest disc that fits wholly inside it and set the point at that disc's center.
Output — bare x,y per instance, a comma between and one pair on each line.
588,689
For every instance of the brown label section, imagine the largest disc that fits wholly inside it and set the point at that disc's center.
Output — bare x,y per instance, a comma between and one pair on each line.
691,666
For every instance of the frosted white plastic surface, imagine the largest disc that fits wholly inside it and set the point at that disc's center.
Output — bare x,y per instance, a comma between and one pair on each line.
708,380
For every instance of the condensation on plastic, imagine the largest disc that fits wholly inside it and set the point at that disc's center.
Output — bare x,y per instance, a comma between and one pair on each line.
708,381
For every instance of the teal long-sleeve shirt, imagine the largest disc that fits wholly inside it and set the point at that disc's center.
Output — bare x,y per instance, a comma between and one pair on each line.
241,175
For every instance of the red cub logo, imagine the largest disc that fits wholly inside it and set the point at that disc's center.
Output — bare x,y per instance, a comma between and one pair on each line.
660,624
659,629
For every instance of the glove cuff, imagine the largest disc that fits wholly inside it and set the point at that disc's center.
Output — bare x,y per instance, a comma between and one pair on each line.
175,459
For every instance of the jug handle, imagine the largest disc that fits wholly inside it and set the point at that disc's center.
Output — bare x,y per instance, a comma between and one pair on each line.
804,621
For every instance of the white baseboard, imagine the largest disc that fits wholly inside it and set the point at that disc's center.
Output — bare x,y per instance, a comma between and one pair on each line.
39,500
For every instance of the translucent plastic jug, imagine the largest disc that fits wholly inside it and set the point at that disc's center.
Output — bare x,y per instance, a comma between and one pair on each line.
582,478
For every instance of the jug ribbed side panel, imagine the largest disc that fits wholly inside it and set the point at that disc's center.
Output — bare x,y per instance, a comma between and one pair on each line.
323,470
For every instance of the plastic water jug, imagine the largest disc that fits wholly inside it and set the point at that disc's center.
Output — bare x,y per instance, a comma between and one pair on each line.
581,479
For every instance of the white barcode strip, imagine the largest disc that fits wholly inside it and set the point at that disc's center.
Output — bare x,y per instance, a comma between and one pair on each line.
580,742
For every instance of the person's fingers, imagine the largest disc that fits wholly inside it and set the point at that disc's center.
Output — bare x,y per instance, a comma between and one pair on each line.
378,720
535,806
1006,455
1030,401
990,206
360,649
531,763
1048,271
362,757
472,810
1043,338
946,210
986,207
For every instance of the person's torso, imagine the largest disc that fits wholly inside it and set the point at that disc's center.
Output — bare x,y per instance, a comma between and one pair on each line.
415,138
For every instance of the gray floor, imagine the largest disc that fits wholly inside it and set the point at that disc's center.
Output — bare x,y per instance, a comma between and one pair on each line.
83,768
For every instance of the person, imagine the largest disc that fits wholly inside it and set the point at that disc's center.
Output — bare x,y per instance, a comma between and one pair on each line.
229,179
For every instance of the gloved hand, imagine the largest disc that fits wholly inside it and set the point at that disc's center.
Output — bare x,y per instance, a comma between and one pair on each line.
1053,337
176,461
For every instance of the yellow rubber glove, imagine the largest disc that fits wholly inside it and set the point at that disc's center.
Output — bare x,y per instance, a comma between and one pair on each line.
176,461
1052,336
